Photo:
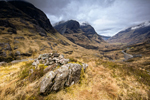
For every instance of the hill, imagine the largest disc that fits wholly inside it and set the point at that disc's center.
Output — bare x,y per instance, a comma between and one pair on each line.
132,35
83,35
25,31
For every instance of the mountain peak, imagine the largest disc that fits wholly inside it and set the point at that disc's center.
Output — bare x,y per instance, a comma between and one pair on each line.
135,34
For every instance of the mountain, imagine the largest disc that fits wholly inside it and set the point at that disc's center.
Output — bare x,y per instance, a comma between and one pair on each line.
105,37
25,31
133,35
83,35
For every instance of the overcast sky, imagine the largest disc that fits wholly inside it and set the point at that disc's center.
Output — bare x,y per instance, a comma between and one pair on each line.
106,16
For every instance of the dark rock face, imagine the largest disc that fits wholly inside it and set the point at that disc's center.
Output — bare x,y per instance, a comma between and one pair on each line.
7,24
68,27
88,29
26,11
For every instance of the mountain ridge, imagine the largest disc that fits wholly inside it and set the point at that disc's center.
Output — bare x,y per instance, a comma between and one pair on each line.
132,35
83,35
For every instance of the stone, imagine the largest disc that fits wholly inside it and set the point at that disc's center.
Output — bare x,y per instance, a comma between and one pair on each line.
63,61
47,82
48,68
2,63
74,75
35,63
31,71
17,53
56,54
61,78
61,56
68,52
66,75
84,66
3,54
8,47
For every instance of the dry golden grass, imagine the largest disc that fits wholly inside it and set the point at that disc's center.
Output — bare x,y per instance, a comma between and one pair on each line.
100,82
103,80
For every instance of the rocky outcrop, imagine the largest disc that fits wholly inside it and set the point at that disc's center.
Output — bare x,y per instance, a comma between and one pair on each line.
59,73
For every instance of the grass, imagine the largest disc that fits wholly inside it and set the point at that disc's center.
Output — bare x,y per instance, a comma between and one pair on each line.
102,80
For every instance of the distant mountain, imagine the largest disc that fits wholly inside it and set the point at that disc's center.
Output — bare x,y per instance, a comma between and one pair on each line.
132,35
83,35
105,37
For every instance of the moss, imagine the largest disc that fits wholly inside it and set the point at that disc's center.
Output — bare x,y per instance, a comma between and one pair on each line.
82,76
25,70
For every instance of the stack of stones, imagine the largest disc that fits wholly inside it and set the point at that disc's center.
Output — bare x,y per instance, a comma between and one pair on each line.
55,79
52,60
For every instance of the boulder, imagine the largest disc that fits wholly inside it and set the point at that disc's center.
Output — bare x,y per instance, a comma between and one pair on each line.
47,82
61,78
66,75
74,73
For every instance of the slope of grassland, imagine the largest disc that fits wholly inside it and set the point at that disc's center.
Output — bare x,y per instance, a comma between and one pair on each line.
103,80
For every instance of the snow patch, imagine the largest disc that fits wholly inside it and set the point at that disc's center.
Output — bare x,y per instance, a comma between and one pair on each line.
141,25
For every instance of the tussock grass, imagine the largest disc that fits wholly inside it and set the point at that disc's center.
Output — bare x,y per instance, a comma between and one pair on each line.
103,80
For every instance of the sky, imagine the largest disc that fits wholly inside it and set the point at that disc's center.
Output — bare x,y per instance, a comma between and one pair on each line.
106,16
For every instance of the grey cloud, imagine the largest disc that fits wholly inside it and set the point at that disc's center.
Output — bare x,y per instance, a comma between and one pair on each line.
101,14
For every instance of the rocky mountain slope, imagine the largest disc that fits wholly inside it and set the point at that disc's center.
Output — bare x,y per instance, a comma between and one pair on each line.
26,31
83,35
132,35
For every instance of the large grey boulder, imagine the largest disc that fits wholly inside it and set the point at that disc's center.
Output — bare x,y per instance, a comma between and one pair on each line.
61,78
66,75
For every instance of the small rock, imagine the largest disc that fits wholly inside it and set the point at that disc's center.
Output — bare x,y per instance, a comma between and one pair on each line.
61,56
84,66
68,52
63,61
2,63
31,71
35,63
56,55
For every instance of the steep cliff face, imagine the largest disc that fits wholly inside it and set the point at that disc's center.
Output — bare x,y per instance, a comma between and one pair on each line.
68,27
133,35
35,14
83,35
